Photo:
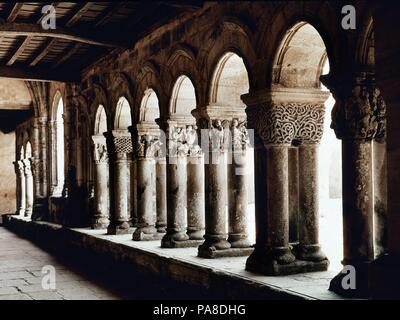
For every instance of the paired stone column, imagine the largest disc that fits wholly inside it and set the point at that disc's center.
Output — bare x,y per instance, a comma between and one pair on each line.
216,139
147,147
355,121
100,218
280,119
122,143
195,186
28,186
238,185
21,197
183,223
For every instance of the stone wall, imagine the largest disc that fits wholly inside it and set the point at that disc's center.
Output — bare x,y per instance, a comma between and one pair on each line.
7,173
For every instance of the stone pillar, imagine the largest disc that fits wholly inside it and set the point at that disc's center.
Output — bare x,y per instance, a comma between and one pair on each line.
100,218
21,197
280,118
176,186
195,186
161,195
213,139
43,156
133,191
147,145
309,248
122,143
36,157
293,157
237,186
380,197
28,187
355,122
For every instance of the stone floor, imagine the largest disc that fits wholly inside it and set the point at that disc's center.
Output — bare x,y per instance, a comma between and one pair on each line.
21,264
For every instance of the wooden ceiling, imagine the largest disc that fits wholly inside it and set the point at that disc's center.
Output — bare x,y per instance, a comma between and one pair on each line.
85,32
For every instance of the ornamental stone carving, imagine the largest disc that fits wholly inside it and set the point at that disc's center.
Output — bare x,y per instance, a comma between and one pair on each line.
240,135
363,114
192,141
284,122
100,149
148,146
284,115
122,142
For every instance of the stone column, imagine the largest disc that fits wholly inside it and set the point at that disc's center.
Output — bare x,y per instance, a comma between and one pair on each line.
309,248
133,191
122,142
161,195
380,196
195,186
355,122
293,157
177,151
147,145
280,118
21,197
36,157
213,139
28,187
237,186
100,218
43,156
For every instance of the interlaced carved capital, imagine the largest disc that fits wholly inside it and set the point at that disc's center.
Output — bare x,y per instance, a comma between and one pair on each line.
19,168
362,114
122,142
284,116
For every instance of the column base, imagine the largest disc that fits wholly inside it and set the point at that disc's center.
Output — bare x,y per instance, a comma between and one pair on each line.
147,234
309,252
168,242
384,278
221,248
196,234
281,262
361,289
161,229
100,223
119,229
239,241
28,213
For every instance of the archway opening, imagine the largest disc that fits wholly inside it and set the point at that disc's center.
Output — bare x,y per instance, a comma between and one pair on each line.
100,126
28,150
301,60
123,119
58,183
230,81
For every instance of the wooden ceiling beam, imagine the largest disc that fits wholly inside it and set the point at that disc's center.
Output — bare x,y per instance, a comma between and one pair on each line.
43,52
14,12
19,51
37,74
65,56
109,13
79,12
36,30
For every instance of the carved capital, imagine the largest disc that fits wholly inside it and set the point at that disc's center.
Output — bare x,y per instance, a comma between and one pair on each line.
27,167
361,113
100,149
286,115
148,146
122,141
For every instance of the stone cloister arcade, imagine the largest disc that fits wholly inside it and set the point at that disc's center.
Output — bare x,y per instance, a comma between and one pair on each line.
125,149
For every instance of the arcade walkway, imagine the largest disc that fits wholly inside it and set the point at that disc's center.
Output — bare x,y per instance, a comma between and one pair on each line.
21,264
